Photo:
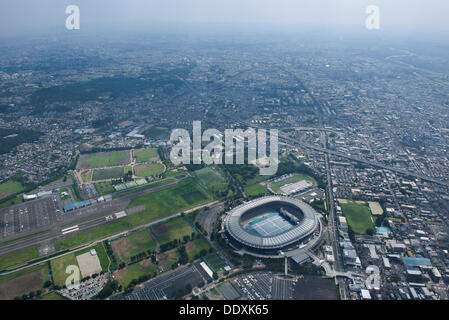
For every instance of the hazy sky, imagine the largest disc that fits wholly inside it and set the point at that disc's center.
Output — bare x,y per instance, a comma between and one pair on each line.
19,16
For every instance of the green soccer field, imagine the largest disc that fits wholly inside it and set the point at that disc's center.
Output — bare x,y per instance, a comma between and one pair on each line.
257,190
149,170
145,155
104,159
358,216
159,204
214,262
111,173
104,187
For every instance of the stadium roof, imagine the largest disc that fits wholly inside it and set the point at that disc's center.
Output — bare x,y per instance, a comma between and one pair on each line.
304,228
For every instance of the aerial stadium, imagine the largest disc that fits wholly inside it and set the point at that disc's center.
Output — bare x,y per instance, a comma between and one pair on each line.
270,225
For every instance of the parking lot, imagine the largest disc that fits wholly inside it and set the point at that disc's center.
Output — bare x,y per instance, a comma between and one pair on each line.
28,216
165,286
88,191
282,289
255,286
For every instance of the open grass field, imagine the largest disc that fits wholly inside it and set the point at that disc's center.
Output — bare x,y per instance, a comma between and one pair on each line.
257,190
358,216
149,170
11,202
71,240
103,159
194,248
211,179
93,234
209,175
159,204
134,271
59,265
52,296
167,259
58,268
18,257
173,229
145,155
23,282
214,262
102,256
87,176
106,174
104,187
276,187
9,187
134,243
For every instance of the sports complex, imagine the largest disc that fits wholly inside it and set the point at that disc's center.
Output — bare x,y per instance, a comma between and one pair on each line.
269,225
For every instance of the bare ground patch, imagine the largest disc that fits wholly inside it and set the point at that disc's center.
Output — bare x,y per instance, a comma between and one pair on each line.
21,285
121,247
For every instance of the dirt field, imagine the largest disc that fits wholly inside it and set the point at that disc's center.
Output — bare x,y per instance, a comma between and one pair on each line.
190,246
21,285
160,230
121,247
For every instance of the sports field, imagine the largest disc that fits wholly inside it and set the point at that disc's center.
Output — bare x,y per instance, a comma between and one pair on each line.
104,159
18,257
110,173
134,243
276,187
149,170
104,187
145,155
257,190
10,187
358,216
214,262
159,204
173,229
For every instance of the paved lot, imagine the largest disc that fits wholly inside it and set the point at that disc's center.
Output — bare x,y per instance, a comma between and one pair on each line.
228,291
255,286
282,289
166,285
89,264
28,216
